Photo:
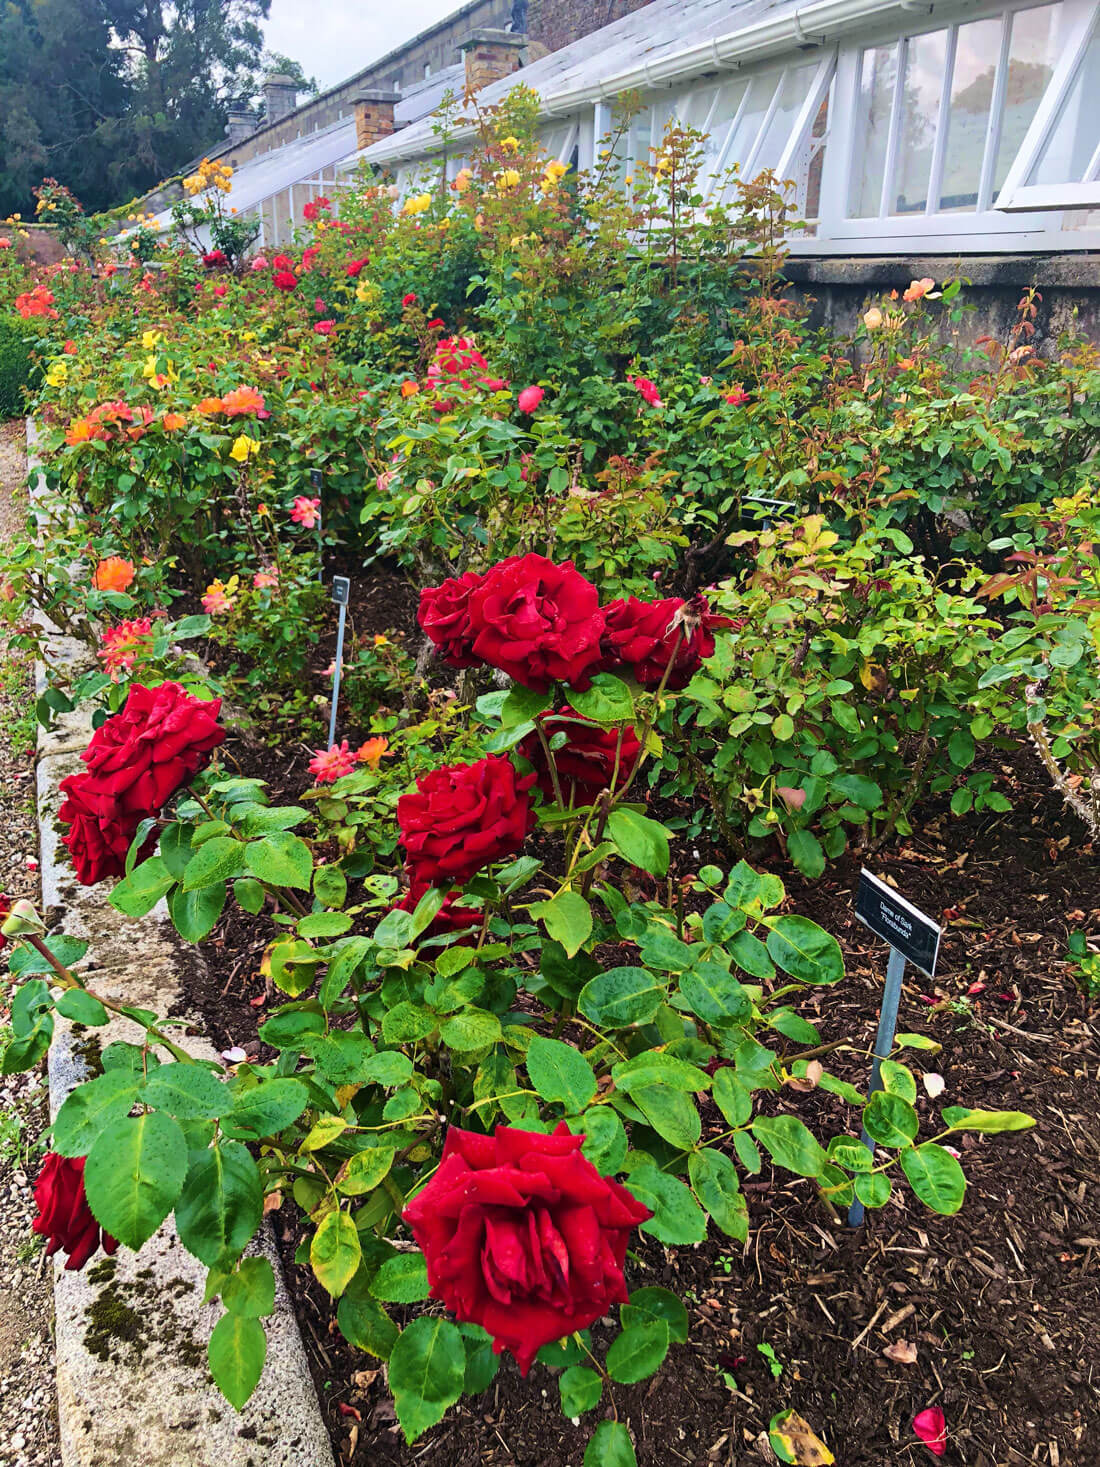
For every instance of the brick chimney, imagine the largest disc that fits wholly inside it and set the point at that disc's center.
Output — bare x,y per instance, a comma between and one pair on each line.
374,115
490,55
240,122
280,97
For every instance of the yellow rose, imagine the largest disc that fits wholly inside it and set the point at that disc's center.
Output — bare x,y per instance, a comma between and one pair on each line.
243,447
508,179
511,144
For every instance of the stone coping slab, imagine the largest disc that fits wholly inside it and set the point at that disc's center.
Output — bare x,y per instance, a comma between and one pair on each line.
133,1385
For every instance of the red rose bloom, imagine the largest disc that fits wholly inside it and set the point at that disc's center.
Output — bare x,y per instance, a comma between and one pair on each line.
64,1216
136,762
641,636
537,621
444,615
522,1235
462,816
409,299
586,762
282,262
213,258
284,280
97,845
354,267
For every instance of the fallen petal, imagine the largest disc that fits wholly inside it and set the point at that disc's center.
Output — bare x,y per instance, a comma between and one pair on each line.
931,1426
934,1084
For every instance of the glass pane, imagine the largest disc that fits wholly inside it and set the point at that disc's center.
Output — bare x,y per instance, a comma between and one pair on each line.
717,122
1032,53
926,57
793,91
761,91
977,52
1071,144
693,108
878,77
814,154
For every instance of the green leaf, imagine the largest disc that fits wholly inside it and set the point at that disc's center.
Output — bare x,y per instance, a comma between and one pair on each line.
521,705
716,1184
807,853
426,1373
859,790
873,1188
890,1120
753,890
364,1322
481,1363
641,841
215,860
654,1303
335,1252
194,913
677,1217
671,1113
560,1073
249,895
402,1279
175,848
654,1067
989,1122
221,1204
470,1029
236,1353
281,859
715,996
620,997
580,1389
637,1352
935,1176
748,1153
960,747
190,1092
898,1079
330,885
134,1174
267,1108
137,894
790,1144
605,1143
90,1108
255,820
606,700
289,1030
731,1097
250,1291
324,924
364,1171
805,950
567,918
610,1446
750,954
81,1008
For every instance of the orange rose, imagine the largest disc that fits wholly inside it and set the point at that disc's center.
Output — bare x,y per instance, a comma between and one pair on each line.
210,406
242,401
410,388
372,751
113,574
171,421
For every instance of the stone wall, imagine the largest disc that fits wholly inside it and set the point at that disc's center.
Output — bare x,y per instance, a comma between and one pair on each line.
842,287
552,24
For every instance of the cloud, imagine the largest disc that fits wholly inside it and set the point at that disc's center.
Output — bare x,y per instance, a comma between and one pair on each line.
333,39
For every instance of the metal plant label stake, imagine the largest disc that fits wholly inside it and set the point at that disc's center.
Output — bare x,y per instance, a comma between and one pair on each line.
341,592
913,938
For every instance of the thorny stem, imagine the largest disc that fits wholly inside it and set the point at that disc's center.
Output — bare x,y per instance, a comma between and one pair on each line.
69,980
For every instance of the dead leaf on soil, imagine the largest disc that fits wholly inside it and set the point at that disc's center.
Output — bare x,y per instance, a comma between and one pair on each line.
901,1352
794,1440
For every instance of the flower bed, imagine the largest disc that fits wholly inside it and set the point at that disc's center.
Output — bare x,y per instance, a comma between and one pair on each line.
522,1019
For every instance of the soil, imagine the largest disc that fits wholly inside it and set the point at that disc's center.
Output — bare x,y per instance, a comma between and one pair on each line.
1001,1304
28,1413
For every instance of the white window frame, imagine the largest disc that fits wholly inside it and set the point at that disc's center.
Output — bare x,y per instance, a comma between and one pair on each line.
987,229
1016,194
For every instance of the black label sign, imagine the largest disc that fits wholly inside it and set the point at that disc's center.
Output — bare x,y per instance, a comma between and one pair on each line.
341,590
316,479
898,922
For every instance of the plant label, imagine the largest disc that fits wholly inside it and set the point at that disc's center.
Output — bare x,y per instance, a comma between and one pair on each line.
341,590
316,480
898,922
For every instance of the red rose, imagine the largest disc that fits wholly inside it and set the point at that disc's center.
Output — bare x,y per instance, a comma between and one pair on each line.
444,615
409,299
282,262
5,912
214,258
641,637
537,621
353,268
136,762
284,280
523,1236
97,846
462,816
586,762
64,1216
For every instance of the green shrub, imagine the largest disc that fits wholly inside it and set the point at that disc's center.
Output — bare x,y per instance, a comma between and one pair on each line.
15,366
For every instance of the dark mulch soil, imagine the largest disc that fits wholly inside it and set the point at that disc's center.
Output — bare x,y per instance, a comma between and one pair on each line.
1002,1302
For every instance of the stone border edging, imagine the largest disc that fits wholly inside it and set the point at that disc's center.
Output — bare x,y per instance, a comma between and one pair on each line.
131,1332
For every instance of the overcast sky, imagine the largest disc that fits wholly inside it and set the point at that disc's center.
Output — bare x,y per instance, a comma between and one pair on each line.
333,39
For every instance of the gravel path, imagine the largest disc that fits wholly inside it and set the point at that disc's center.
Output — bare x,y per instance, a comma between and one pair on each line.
28,1410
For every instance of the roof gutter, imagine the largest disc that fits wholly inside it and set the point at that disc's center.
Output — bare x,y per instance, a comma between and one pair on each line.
810,25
